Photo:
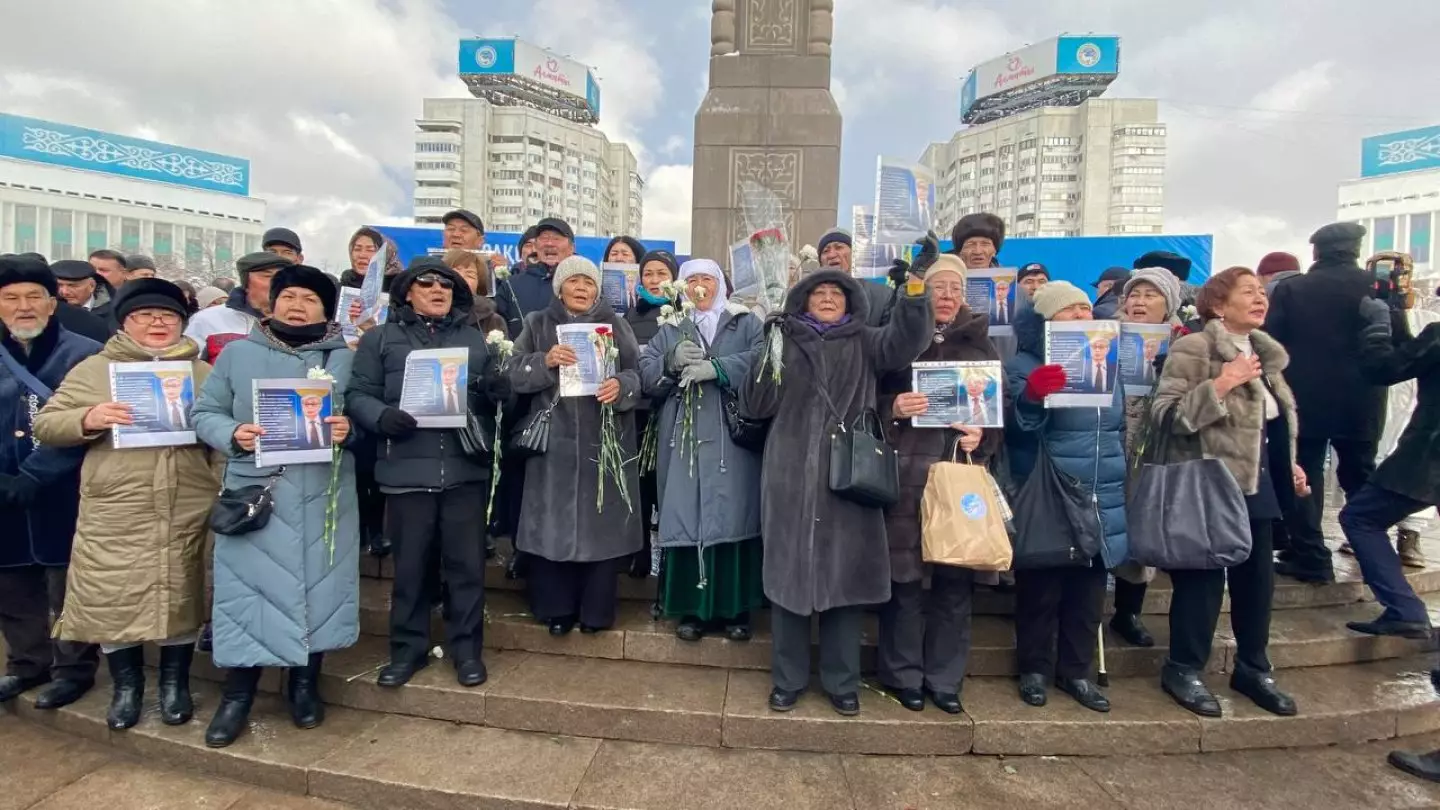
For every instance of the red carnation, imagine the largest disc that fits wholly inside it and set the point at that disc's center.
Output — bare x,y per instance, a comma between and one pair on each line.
602,330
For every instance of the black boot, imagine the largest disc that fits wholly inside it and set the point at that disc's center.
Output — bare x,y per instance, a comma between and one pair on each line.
127,671
233,716
303,692
1184,685
1129,627
176,706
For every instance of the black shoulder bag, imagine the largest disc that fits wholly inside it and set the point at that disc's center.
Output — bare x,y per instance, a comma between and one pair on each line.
746,433
863,467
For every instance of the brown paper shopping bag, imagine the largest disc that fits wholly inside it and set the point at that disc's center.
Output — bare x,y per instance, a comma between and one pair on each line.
962,521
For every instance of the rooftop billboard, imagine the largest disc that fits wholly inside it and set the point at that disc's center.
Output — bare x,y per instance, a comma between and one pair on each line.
1408,151
1065,56
92,150
518,58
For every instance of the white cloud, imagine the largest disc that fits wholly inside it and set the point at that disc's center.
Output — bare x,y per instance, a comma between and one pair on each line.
668,195
1242,238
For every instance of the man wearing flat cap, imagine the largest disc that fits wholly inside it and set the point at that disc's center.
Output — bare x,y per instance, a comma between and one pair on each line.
283,242
1316,316
141,266
39,490
84,300
247,304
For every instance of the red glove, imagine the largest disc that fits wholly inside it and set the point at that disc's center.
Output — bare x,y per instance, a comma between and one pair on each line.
1043,382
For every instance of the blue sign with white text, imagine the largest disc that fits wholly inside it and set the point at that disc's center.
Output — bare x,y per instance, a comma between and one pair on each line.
80,148
415,241
1409,151
1087,55
487,56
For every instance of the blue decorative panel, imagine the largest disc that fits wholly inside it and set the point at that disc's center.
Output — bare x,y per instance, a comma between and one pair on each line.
1396,152
79,148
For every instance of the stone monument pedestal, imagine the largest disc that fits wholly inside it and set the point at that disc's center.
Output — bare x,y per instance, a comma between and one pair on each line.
769,118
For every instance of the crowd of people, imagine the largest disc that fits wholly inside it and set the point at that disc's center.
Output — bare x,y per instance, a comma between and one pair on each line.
726,490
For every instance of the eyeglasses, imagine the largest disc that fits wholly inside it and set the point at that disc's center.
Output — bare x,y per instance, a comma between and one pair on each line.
148,318
426,282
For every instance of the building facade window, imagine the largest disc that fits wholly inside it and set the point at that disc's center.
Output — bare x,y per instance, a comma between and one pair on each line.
62,234
224,248
130,235
1384,234
26,217
430,147
194,247
1420,236
164,240
97,233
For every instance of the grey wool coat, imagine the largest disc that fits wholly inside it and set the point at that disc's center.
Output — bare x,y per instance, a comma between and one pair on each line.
279,595
558,518
717,498
822,551
1233,429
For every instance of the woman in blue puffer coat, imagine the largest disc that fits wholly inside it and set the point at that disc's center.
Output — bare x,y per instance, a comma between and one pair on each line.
289,592
1058,610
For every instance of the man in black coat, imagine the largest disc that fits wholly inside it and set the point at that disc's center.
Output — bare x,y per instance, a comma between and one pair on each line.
39,490
528,288
1316,316
435,492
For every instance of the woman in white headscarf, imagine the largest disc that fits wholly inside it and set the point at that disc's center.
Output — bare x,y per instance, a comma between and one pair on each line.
709,486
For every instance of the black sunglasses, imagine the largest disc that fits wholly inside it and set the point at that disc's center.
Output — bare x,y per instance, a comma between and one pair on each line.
428,281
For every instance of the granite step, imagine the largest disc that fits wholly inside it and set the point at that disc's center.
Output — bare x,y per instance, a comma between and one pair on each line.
1301,637
1289,594
711,706
756,759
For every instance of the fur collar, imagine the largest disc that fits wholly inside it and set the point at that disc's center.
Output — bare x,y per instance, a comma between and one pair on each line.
1273,357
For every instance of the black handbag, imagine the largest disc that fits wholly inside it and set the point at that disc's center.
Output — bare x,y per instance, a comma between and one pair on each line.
1057,523
477,437
245,509
863,467
531,437
744,432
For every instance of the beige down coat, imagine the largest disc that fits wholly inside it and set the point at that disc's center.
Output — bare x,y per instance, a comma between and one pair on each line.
137,571
1232,430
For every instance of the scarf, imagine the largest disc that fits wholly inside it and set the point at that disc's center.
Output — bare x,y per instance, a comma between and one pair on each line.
297,336
819,325
643,295
706,320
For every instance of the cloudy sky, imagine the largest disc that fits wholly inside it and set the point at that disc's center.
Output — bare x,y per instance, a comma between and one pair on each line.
1266,103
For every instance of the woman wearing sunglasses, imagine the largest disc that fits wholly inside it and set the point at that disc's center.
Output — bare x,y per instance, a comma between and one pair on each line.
435,492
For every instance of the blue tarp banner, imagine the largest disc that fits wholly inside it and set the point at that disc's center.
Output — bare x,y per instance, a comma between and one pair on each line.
414,241
1080,259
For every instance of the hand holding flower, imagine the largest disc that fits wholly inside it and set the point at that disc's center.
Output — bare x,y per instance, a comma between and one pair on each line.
609,392
339,428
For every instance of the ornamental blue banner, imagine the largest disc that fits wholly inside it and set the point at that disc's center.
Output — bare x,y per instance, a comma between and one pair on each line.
79,148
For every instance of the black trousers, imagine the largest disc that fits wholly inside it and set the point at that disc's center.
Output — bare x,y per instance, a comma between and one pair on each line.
840,630
585,591
925,635
1195,608
1057,619
1355,464
1129,597
31,598
419,522
367,494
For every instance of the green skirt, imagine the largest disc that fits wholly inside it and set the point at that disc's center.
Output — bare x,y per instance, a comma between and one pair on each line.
734,583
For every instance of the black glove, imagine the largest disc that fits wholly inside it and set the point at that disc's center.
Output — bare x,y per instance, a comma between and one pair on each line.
1376,316
18,490
899,271
396,423
929,245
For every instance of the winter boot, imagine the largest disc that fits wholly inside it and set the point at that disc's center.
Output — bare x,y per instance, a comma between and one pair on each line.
176,706
233,716
1407,542
302,690
127,671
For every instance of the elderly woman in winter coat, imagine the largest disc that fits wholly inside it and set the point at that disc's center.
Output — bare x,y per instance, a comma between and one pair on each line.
824,554
709,486
137,569
289,592
925,637
1150,296
1228,399
1058,610
575,550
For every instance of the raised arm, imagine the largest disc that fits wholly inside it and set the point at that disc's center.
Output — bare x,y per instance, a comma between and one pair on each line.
905,337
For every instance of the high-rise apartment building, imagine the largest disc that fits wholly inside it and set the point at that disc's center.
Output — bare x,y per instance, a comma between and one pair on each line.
524,148
1046,153
1094,169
